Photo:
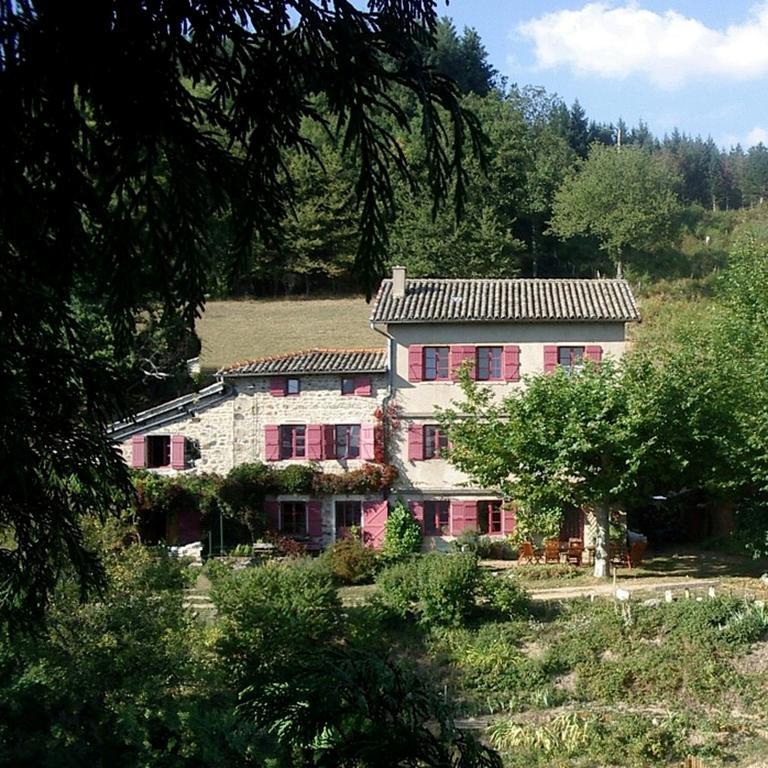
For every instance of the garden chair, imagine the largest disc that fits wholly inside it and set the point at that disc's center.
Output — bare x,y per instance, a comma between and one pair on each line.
618,554
575,552
636,552
527,552
552,551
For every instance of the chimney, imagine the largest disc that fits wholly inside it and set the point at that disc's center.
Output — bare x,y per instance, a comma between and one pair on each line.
398,282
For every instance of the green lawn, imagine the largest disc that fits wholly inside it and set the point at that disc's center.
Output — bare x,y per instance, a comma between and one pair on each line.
232,331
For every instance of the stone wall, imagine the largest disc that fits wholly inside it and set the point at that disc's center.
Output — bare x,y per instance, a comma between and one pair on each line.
232,432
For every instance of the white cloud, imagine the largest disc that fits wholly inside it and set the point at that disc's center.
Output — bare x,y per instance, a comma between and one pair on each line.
757,135
669,48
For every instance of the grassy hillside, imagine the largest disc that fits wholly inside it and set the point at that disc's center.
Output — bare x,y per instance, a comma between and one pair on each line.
242,330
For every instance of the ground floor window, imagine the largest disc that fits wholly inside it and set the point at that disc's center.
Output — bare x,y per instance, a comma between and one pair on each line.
437,517
348,514
489,516
293,517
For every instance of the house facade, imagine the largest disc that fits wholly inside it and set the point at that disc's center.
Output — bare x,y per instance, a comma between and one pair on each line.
325,406
503,330
316,407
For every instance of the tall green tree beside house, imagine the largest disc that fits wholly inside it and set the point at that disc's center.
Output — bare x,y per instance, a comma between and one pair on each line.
564,441
624,198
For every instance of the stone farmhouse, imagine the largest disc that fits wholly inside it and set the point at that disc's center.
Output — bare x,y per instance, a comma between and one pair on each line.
344,409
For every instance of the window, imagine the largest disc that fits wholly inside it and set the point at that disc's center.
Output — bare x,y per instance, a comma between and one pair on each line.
435,442
348,386
570,359
437,517
436,365
489,516
489,363
292,386
293,517
348,514
347,441
293,441
159,451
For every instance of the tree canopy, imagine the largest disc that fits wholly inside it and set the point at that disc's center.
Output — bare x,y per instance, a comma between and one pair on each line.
127,130
626,199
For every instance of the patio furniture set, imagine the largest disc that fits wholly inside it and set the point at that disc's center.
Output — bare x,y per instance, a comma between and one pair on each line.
572,552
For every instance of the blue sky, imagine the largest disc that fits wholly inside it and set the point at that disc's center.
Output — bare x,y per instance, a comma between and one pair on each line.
699,66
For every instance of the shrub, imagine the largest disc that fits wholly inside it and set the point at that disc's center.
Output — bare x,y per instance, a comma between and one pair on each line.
447,586
435,588
504,594
495,548
350,561
398,587
402,535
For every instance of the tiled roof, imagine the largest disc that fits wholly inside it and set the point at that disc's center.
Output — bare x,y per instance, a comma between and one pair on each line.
522,300
312,361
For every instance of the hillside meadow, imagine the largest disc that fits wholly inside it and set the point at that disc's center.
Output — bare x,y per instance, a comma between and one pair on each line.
231,331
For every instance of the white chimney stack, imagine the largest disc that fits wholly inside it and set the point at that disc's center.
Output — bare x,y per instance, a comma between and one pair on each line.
398,282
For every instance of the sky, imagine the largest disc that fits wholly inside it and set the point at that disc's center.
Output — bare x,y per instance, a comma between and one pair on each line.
701,67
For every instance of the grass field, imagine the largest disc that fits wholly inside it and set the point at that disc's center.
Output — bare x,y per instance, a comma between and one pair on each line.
232,331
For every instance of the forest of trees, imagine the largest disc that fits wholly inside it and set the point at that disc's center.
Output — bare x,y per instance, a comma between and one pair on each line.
536,143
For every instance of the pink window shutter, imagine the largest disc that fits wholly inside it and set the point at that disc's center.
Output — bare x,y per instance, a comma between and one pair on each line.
272,515
272,443
509,519
375,515
315,442
314,518
138,451
458,517
363,387
550,358
178,444
277,386
456,358
594,353
416,442
417,510
415,362
329,441
469,353
367,442
512,362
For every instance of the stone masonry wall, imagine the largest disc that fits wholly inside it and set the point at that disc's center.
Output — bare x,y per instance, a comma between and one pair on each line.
232,432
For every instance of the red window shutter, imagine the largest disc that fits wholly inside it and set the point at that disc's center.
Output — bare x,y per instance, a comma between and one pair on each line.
375,515
417,510
460,516
550,358
177,452
457,357
329,441
469,356
512,362
363,387
138,451
509,519
272,514
314,442
415,362
272,443
416,442
314,518
593,353
367,442
277,386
